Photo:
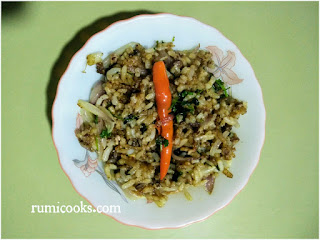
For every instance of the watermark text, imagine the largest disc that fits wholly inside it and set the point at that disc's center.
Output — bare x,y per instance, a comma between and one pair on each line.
82,208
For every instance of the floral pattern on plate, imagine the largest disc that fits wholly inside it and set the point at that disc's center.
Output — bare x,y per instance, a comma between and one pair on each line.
89,166
223,65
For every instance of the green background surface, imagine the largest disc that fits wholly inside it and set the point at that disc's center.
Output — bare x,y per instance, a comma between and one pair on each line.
280,39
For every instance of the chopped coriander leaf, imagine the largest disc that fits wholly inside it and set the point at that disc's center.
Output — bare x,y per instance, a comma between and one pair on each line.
219,85
181,107
174,101
166,142
186,93
95,119
105,134
129,118
162,141
194,101
173,38
189,107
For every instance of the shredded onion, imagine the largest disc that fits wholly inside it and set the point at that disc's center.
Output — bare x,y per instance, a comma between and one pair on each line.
178,158
93,109
109,123
100,126
86,115
96,92
100,112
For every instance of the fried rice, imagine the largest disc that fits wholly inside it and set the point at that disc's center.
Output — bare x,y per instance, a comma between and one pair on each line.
119,122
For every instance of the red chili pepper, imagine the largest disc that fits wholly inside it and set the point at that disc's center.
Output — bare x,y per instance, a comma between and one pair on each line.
163,99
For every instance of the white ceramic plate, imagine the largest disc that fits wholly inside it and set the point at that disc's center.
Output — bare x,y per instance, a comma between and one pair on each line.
86,174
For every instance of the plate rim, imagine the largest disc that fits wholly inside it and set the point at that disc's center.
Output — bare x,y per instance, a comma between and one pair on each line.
155,15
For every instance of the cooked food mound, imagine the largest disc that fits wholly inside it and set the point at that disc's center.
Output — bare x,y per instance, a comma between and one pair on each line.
160,121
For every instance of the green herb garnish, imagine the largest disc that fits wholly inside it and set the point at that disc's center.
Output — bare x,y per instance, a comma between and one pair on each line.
162,141
166,142
181,108
96,119
105,133
189,107
186,93
173,38
219,85
173,104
